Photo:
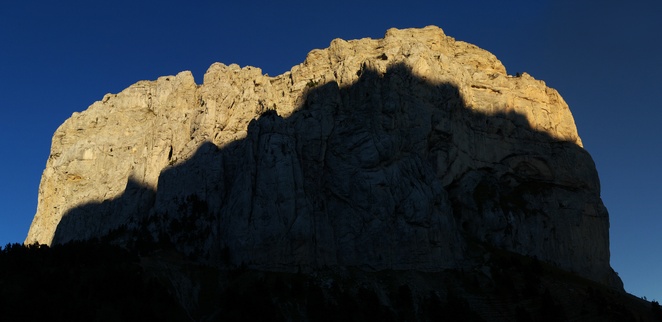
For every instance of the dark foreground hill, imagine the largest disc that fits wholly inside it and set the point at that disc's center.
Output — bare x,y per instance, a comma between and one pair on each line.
95,281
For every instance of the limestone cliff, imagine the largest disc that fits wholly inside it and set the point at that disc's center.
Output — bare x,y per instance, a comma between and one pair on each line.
393,153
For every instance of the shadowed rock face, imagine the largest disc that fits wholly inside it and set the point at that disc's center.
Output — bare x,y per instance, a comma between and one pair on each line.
397,153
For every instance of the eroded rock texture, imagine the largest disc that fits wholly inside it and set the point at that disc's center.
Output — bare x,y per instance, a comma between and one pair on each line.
393,153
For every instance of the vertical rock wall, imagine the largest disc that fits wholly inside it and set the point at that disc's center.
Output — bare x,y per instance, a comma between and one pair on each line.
390,153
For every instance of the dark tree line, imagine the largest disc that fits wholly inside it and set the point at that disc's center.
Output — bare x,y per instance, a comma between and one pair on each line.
80,281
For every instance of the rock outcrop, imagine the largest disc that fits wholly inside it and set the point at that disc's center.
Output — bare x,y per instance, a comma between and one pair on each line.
395,153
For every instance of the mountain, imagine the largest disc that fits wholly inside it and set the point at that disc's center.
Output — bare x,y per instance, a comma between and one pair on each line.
411,153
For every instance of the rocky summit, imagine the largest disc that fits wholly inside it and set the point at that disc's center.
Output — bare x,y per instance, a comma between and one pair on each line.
412,152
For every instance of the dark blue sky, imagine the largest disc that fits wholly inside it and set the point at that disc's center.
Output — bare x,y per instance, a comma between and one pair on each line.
604,57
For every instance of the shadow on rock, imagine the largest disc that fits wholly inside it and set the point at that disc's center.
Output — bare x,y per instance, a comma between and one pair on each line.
392,172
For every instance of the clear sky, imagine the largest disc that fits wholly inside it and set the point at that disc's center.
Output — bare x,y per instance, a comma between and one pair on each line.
604,57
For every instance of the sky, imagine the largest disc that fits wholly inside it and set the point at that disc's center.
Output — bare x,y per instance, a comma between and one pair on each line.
604,57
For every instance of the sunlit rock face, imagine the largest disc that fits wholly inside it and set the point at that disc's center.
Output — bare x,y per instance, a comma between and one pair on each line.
393,153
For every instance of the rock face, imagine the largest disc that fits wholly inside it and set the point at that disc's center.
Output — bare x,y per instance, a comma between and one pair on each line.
394,153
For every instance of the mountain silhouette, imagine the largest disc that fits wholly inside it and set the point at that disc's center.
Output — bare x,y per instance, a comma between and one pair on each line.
392,172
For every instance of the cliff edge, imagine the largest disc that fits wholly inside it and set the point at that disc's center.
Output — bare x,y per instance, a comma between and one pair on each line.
397,153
